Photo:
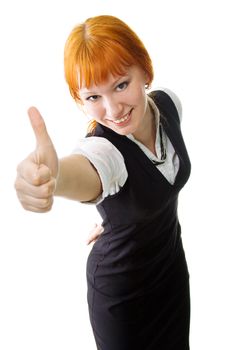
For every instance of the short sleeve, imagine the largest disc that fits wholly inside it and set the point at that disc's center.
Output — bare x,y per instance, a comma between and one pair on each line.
108,162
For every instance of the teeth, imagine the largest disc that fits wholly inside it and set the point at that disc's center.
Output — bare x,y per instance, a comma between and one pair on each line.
121,120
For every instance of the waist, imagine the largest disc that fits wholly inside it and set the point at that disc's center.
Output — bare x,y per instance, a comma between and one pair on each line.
131,277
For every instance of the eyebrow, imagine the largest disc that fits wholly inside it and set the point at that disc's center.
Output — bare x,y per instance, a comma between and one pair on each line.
112,86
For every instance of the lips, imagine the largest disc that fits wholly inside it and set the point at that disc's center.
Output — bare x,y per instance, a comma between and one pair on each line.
124,120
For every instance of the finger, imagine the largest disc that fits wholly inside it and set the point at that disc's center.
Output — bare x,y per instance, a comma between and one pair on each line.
36,204
44,191
91,241
33,173
37,210
42,175
91,238
39,127
95,233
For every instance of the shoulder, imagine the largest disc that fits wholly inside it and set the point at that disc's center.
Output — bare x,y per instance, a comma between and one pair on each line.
174,98
107,160
97,145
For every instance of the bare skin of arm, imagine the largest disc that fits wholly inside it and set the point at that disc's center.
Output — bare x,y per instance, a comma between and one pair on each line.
42,175
77,179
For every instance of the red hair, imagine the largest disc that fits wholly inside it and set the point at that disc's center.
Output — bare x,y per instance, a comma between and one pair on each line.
100,46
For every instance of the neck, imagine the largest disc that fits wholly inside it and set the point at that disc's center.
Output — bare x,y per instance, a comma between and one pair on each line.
147,133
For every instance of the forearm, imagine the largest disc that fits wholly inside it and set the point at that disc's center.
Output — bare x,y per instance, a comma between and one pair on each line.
77,179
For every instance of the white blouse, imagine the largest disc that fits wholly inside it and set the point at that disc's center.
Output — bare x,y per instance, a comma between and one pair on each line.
109,162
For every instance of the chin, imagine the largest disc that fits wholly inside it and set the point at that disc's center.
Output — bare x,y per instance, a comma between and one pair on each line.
123,131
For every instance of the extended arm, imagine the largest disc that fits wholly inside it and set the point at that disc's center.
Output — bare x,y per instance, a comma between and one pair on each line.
77,179
41,175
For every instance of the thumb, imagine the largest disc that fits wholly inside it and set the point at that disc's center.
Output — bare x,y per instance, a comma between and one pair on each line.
39,128
45,152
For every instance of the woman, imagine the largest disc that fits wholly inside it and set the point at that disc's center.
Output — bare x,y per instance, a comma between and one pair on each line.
132,165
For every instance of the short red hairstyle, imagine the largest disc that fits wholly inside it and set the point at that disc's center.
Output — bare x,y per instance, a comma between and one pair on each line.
100,46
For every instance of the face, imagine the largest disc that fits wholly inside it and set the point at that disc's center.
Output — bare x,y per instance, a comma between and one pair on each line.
120,103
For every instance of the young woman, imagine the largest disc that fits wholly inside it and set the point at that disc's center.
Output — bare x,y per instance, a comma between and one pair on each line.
132,165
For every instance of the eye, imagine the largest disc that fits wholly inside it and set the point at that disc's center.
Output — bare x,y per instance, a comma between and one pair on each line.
122,86
92,98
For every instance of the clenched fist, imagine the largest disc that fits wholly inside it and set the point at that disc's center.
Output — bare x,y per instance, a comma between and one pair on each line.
37,174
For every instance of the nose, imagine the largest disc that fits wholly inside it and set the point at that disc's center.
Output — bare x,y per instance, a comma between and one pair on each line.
113,108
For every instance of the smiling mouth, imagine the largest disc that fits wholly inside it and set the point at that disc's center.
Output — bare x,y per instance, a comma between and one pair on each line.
124,119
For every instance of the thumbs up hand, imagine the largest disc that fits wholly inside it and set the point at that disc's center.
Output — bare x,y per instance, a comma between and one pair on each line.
36,175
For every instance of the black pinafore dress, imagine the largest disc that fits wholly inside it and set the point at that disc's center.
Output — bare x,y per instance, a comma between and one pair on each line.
138,280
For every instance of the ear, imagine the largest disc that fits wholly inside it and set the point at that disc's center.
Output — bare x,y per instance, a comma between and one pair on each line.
146,79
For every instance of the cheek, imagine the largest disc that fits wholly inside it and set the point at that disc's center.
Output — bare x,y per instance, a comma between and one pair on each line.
139,98
95,110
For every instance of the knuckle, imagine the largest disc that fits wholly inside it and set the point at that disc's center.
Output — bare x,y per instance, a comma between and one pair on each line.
47,190
36,180
46,203
49,206
20,197
24,204
26,207
23,166
16,185
22,200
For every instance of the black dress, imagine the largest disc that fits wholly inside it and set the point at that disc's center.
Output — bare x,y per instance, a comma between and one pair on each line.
138,280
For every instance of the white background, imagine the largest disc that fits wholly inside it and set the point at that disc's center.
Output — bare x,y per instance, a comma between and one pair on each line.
43,256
